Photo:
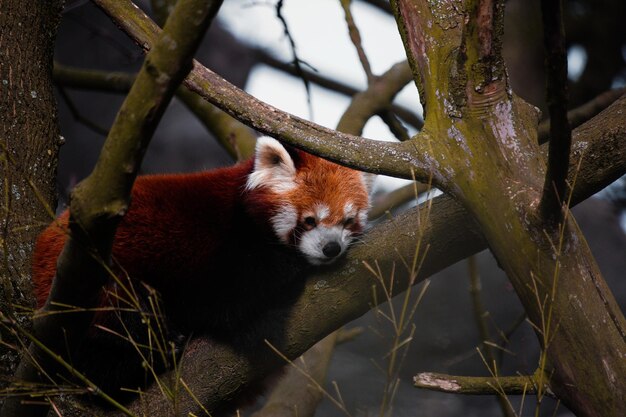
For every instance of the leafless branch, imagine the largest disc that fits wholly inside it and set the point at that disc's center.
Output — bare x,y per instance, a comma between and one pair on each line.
475,385
555,187
99,202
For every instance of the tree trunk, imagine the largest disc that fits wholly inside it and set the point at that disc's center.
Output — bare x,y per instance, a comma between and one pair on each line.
29,144
485,141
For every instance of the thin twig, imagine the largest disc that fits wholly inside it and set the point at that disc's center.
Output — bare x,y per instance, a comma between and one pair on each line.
355,37
297,62
584,112
78,116
403,112
480,313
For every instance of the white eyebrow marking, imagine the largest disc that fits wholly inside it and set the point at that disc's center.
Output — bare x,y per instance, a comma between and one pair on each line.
322,211
362,217
285,221
349,210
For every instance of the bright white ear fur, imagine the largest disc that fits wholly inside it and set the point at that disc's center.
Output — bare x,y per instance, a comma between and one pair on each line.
368,180
273,166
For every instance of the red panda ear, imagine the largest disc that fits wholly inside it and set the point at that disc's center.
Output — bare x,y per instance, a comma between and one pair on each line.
273,166
368,180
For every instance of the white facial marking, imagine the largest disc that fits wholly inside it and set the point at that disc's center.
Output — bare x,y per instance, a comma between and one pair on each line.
349,210
321,211
284,222
313,241
362,216
273,167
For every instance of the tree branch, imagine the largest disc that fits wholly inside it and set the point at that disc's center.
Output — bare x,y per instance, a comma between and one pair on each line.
396,198
375,99
395,159
404,113
481,54
355,37
476,385
582,113
300,390
555,188
235,137
451,235
99,202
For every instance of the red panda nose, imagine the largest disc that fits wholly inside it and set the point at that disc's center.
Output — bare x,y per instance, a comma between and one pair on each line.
331,249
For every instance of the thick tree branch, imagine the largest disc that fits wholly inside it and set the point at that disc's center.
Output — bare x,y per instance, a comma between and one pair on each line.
99,202
395,159
555,189
482,45
494,166
235,137
333,298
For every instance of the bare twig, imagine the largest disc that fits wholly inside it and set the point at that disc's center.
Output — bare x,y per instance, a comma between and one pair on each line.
355,37
555,188
396,159
476,385
404,113
79,117
480,314
395,126
376,98
396,198
582,113
297,62
236,138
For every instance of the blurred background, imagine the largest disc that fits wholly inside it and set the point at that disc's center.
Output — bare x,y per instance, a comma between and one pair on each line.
248,46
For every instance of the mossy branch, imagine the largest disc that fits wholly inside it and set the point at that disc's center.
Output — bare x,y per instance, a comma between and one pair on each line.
476,385
99,202
235,137
395,159
451,235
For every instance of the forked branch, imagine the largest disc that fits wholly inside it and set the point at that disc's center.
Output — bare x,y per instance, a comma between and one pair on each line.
99,202
395,159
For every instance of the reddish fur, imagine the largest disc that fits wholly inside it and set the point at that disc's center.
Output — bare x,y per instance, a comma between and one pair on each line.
206,244
329,183
200,201
146,233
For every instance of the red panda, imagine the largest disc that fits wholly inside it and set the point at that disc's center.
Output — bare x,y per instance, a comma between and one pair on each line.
221,248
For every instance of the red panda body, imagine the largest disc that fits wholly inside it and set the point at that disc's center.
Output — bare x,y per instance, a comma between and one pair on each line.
221,248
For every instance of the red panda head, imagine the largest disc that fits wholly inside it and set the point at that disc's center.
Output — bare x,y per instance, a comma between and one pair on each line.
319,206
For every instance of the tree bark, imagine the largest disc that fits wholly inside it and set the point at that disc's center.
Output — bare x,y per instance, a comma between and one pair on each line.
29,145
490,160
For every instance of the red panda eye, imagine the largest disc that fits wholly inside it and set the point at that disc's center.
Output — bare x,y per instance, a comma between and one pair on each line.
349,221
310,221
275,160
